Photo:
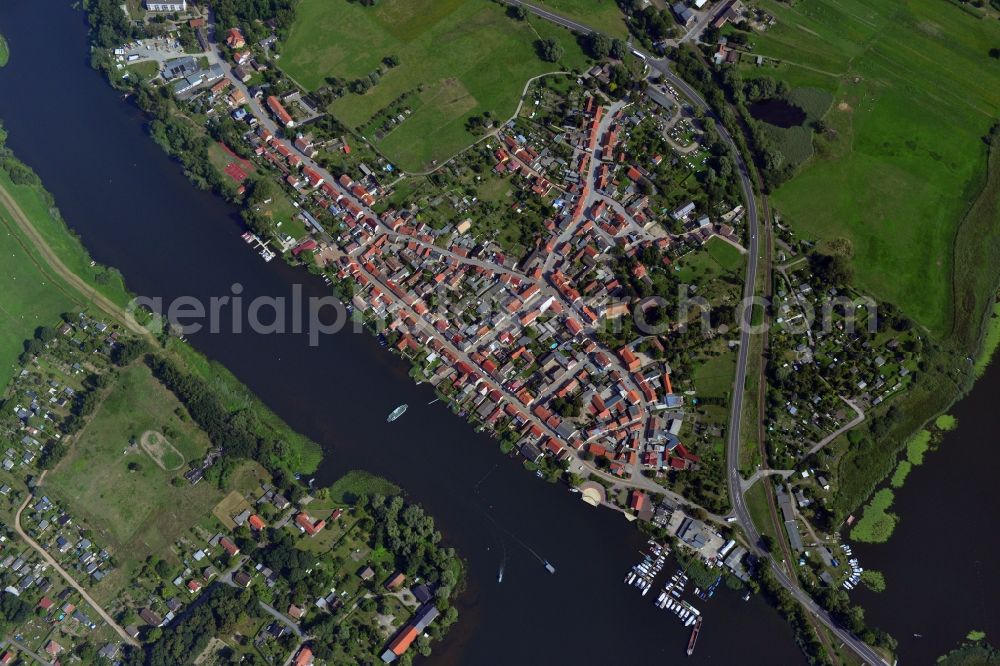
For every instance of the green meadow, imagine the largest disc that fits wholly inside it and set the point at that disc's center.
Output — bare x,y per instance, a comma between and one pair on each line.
457,59
120,490
904,161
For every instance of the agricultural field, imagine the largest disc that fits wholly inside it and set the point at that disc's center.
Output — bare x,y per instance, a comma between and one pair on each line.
135,496
457,59
903,158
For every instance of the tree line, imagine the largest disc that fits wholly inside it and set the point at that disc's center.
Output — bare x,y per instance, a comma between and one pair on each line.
237,433
218,609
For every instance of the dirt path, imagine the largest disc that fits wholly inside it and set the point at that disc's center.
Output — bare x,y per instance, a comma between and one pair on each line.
156,446
62,572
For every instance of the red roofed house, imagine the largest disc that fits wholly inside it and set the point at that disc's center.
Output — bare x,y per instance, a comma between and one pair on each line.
234,39
630,360
304,657
279,111
257,523
573,325
310,527
403,640
231,548
395,581
313,176
308,244
193,586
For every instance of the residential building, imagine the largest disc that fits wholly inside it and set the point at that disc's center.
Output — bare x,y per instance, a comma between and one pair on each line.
157,6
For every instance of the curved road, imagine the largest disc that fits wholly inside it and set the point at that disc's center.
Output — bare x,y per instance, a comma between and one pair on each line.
733,478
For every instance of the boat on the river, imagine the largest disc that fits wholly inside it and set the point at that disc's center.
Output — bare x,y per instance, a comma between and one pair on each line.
396,413
694,637
548,567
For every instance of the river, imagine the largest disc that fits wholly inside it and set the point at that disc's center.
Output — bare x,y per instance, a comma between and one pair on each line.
135,210
940,564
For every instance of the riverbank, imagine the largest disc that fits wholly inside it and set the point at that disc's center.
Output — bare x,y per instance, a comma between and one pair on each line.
877,523
65,255
233,418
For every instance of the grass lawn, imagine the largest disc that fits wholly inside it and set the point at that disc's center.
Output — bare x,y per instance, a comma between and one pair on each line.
137,512
458,58
697,267
714,377
348,488
726,255
756,499
144,70
914,92
33,298
601,15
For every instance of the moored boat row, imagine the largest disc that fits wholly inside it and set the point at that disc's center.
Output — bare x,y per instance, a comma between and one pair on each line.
266,253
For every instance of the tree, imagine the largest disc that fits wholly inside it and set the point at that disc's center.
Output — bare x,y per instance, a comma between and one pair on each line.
995,53
598,45
618,49
391,61
517,12
767,542
550,50
46,334
831,269
163,569
360,86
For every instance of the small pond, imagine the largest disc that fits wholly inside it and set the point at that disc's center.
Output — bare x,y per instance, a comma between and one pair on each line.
777,111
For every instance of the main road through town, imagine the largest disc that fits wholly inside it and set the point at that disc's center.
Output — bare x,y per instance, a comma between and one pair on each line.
742,514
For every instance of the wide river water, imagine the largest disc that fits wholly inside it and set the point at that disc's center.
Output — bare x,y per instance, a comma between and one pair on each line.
135,210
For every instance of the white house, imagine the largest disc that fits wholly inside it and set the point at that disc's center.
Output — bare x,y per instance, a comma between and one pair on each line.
155,6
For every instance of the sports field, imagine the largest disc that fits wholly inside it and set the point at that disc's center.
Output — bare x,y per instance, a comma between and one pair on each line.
121,490
457,59
914,93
